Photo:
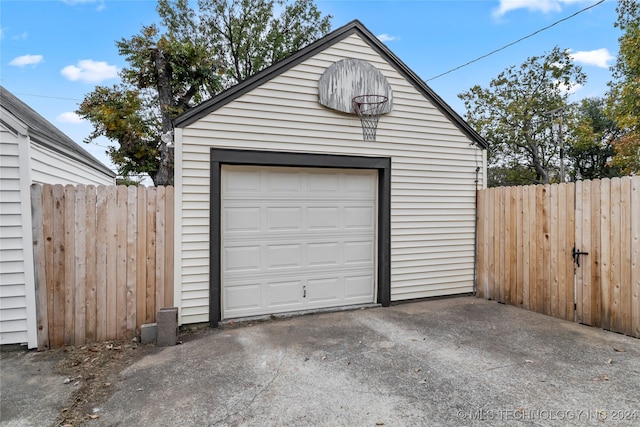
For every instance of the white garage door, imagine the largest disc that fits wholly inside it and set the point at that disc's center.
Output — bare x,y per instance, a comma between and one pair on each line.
296,239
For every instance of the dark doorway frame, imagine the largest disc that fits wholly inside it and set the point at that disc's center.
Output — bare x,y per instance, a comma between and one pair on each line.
222,156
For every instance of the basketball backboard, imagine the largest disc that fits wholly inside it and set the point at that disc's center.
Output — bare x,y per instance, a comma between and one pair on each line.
349,78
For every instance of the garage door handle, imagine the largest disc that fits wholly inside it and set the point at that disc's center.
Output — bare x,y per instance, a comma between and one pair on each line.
304,292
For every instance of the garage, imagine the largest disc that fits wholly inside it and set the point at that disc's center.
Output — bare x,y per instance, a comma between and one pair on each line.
296,239
332,179
296,231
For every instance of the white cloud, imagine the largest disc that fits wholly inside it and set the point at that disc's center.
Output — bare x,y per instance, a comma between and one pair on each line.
544,6
69,117
386,38
90,71
100,7
599,57
23,60
22,36
569,89
75,2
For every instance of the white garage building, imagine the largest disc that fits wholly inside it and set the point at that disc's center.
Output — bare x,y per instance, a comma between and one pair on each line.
282,204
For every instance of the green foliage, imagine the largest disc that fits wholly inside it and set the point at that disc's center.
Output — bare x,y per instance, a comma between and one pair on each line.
128,181
624,95
591,148
119,113
250,36
625,89
511,114
627,158
188,57
601,137
506,176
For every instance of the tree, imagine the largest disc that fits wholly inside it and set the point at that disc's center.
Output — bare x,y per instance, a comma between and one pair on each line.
512,112
624,95
129,181
627,158
506,176
119,113
189,57
591,148
249,36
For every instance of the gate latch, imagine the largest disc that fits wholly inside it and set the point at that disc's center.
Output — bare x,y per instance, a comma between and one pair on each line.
576,255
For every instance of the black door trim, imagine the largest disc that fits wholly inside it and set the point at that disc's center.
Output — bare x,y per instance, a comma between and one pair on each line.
222,156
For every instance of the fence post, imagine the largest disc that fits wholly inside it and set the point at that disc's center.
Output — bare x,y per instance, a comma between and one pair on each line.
40,274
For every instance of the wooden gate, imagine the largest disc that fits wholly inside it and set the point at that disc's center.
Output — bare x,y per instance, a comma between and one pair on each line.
567,250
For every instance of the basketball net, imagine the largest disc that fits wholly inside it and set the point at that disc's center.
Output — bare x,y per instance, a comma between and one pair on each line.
369,108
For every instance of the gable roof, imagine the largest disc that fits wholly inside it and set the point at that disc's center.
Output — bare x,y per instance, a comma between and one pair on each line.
354,27
46,134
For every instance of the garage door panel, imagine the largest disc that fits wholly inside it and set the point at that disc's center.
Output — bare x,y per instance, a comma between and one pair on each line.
323,183
289,273
358,287
323,254
284,218
360,184
284,256
286,182
242,258
324,290
305,240
284,294
249,239
239,219
239,181
358,252
323,218
247,297
359,217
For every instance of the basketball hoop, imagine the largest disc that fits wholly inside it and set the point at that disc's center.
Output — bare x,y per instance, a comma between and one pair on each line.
369,108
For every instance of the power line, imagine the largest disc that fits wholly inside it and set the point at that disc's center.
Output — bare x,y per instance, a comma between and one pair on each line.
99,145
439,75
515,42
45,96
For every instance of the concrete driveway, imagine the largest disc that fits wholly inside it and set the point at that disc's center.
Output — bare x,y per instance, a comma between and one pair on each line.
458,361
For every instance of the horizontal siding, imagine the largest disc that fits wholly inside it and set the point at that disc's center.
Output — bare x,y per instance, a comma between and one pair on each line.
11,286
14,334
432,182
13,303
8,149
50,167
13,306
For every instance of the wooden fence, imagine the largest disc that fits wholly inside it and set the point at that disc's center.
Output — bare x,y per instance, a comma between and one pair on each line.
526,242
103,260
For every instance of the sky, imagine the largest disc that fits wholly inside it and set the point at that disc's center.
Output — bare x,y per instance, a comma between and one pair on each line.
54,52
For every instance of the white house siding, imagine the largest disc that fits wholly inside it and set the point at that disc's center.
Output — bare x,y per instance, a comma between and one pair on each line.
17,296
433,174
50,167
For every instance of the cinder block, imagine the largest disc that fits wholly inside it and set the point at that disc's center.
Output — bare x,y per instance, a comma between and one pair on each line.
148,333
167,326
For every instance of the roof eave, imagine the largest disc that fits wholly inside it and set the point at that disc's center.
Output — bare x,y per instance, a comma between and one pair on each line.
43,132
96,165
